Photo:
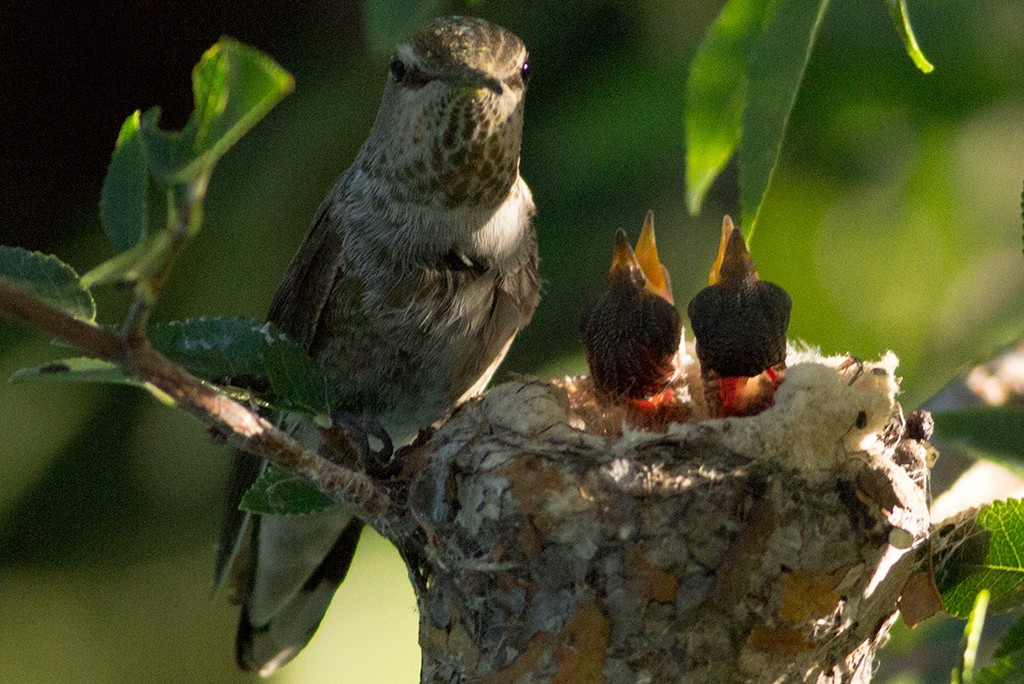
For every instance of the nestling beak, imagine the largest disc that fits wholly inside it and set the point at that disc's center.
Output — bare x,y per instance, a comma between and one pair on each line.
631,333
733,256
623,258
658,280
739,325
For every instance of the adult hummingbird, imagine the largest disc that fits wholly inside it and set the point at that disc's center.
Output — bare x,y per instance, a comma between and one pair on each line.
417,272
739,324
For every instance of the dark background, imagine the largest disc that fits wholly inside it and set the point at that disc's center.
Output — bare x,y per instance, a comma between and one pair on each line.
894,222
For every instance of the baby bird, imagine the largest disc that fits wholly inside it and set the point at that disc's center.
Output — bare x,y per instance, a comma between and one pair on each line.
631,333
739,322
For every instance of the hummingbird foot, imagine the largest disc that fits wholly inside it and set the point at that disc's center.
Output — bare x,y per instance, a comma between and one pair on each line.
349,442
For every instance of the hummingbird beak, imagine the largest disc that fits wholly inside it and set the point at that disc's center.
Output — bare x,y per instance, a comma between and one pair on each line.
733,257
474,79
658,281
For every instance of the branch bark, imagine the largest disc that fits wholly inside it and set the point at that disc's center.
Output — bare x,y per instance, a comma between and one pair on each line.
246,429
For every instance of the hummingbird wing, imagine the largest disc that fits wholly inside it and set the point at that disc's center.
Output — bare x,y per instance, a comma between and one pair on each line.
284,570
298,564
296,310
298,305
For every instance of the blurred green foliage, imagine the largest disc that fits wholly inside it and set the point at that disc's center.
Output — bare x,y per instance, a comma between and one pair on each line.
893,221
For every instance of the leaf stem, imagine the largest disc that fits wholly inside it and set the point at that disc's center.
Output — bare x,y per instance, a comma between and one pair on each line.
184,218
901,19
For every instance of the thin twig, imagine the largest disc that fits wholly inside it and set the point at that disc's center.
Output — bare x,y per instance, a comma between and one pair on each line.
252,433
184,215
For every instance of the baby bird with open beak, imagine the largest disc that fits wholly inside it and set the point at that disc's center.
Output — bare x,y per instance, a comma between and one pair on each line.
632,332
739,322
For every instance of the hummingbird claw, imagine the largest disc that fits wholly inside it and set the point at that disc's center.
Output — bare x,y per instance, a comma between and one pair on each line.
355,433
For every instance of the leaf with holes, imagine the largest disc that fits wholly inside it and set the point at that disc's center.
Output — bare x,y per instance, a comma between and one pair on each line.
248,354
76,369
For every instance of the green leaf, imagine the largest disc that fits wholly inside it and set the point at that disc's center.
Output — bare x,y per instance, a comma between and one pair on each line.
280,493
901,18
972,638
776,70
1013,641
984,552
715,92
77,369
1005,670
247,353
124,199
132,265
49,279
1009,659
234,86
995,432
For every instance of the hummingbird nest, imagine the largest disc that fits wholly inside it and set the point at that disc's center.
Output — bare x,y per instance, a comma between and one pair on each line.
560,542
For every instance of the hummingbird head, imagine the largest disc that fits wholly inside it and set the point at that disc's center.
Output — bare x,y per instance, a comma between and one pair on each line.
450,123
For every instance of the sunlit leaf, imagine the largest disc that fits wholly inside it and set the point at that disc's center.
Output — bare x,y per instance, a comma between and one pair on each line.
984,552
996,432
715,92
280,493
234,86
972,638
901,18
776,70
246,353
49,279
76,369
124,206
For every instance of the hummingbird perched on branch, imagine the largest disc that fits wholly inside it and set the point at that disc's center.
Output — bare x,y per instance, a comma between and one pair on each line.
739,324
417,272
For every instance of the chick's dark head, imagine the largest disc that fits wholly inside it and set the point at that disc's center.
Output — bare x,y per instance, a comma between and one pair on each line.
739,321
631,333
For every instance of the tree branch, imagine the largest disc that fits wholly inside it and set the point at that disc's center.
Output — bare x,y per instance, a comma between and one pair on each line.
250,432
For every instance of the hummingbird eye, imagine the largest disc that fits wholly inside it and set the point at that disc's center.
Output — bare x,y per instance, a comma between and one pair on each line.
525,72
398,69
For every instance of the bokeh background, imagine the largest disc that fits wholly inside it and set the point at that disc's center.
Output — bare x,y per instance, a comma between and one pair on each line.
894,222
